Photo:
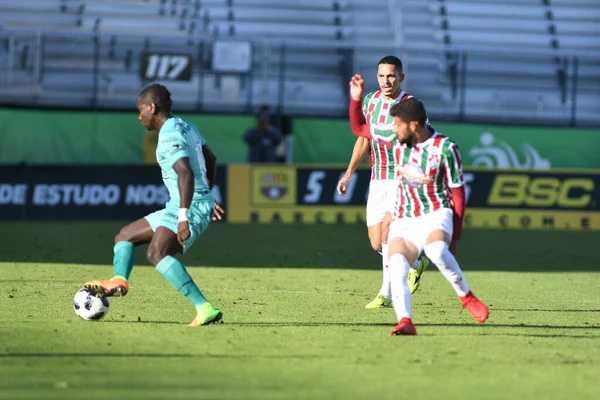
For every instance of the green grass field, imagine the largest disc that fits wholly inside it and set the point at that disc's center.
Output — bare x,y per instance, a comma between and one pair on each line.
294,324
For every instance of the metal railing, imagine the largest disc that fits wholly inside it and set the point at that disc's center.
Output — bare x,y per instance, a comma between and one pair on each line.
295,77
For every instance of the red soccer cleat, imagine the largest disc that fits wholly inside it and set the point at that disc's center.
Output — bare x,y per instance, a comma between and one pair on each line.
478,310
404,327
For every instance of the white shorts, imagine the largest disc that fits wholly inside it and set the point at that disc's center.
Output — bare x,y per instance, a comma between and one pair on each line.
382,198
417,230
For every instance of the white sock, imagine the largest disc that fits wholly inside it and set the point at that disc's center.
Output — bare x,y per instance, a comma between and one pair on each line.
386,289
440,255
398,267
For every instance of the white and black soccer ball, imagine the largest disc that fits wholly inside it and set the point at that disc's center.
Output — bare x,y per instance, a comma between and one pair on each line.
89,306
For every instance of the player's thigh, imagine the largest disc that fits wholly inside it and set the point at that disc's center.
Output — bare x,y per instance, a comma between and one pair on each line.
374,232
137,232
376,204
403,238
439,226
165,240
200,217
399,245
385,227
164,243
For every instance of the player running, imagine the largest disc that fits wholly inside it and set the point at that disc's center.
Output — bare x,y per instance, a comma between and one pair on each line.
188,169
383,187
429,212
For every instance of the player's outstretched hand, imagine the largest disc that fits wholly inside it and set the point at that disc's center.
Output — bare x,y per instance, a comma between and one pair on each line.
183,232
343,184
218,212
357,86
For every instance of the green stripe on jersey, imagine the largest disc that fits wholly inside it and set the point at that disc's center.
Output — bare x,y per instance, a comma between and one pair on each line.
381,152
422,190
438,198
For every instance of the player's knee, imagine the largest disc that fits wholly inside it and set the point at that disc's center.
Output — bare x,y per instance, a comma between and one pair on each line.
376,243
436,251
385,232
154,254
398,264
123,236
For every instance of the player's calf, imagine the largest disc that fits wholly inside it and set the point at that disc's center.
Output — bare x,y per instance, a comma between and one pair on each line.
439,254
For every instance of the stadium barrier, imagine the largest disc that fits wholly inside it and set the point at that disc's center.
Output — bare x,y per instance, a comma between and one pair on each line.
86,192
294,194
108,137
494,146
495,198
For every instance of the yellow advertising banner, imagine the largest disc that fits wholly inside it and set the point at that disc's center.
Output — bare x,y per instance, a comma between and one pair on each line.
495,199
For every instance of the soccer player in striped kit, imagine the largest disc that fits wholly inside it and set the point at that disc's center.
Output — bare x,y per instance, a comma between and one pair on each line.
382,189
430,202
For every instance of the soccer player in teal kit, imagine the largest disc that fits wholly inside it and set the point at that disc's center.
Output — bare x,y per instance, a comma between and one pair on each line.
188,169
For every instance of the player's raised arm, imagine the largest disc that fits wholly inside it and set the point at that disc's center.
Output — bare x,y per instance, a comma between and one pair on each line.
358,123
455,181
382,133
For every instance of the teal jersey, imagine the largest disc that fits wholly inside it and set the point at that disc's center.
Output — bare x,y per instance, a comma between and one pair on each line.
178,139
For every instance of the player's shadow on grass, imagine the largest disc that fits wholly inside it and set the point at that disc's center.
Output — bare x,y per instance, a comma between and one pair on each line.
299,246
488,329
367,324
544,310
159,355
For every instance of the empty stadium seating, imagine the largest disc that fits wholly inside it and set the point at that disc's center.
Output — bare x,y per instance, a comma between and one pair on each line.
511,57
126,28
518,55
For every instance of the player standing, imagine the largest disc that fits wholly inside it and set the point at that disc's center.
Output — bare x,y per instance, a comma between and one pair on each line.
429,212
188,169
383,187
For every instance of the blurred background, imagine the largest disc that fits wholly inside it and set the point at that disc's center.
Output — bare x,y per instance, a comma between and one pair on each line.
515,83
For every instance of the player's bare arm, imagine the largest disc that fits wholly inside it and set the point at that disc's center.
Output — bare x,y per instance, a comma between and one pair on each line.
361,147
360,151
211,175
211,165
185,183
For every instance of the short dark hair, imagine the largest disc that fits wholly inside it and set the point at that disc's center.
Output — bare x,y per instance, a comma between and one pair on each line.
411,109
391,60
264,114
157,94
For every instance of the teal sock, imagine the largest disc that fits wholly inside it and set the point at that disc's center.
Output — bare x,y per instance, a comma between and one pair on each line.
175,273
124,259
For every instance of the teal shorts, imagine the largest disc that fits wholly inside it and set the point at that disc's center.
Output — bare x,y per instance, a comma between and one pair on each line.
199,216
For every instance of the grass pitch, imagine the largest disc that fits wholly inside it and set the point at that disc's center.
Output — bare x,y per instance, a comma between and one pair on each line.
294,324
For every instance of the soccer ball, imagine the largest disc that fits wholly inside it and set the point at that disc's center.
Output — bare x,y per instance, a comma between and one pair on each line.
89,306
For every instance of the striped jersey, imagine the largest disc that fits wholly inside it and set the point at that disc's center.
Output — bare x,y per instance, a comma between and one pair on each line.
426,172
377,114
